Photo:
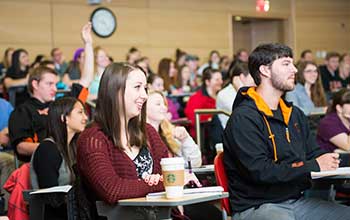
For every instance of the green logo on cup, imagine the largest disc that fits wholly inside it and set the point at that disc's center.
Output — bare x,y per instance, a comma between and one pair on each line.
171,178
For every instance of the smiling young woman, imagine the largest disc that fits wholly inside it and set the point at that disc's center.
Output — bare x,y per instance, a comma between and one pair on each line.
119,155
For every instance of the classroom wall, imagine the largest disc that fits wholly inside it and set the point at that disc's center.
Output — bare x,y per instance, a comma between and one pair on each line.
158,27
322,25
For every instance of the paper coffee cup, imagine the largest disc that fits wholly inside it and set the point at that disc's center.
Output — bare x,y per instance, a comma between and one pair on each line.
173,170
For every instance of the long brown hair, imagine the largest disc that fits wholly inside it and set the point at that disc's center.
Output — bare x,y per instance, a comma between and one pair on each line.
317,93
96,50
163,71
5,61
57,130
111,105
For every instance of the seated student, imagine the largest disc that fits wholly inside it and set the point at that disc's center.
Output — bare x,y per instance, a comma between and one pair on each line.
308,93
28,122
204,97
52,162
306,55
143,62
6,61
17,74
180,144
329,73
75,68
334,128
344,73
224,66
118,155
239,76
183,79
101,62
178,141
133,55
168,72
60,65
213,62
268,150
156,83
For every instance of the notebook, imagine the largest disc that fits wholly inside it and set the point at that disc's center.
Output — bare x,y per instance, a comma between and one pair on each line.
210,189
55,189
340,171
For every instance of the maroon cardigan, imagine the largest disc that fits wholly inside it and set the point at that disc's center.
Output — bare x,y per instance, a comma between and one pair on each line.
110,173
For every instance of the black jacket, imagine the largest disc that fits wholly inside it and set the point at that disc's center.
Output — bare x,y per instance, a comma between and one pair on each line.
259,171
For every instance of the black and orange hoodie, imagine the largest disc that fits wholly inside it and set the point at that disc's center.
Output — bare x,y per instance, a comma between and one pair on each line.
268,154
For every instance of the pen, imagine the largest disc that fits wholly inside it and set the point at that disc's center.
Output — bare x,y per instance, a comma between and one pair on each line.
189,166
191,183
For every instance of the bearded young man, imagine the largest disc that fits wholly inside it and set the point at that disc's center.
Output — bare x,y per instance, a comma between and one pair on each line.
269,152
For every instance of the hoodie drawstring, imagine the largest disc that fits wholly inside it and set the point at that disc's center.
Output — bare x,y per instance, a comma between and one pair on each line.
272,137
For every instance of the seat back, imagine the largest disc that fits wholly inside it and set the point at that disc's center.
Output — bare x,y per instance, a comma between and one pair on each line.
221,180
208,133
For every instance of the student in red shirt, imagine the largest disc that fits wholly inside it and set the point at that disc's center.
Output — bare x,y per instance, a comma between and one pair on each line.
205,97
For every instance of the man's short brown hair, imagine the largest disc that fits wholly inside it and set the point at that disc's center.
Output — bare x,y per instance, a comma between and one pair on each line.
331,55
37,74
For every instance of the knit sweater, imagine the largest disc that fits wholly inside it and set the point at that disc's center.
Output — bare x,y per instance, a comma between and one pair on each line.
109,171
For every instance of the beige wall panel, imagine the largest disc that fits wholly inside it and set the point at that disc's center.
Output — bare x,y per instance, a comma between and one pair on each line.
195,32
322,8
24,22
322,28
242,37
266,32
246,7
188,29
104,3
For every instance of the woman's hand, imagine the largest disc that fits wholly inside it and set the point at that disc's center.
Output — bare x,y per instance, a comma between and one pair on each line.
191,177
86,33
153,179
180,133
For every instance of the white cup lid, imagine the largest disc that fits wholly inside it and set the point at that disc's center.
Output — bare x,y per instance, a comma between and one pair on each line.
172,160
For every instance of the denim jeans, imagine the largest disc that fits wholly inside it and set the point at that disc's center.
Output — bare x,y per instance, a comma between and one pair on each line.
296,209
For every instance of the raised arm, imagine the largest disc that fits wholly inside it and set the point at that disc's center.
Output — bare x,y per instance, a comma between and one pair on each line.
88,70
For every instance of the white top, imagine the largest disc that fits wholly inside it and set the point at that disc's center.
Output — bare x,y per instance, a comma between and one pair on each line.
204,66
190,150
224,101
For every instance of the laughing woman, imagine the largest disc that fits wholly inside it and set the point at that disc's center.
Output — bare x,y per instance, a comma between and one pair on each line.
119,155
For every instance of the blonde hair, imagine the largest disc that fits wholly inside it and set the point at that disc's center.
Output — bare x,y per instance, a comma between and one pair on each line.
166,130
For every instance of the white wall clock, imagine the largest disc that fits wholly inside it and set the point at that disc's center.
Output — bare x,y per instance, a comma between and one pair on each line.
103,21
